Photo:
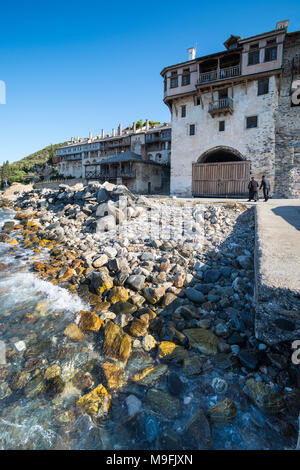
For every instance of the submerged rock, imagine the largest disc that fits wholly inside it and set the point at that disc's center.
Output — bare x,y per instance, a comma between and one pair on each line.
264,396
95,403
115,375
175,384
163,404
223,411
202,340
197,432
72,331
150,375
134,405
52,371
117,344
54,386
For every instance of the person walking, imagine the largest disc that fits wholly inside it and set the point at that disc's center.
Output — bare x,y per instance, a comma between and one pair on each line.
253,190
265,185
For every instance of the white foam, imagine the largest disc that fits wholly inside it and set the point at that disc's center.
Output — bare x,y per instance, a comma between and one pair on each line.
26,285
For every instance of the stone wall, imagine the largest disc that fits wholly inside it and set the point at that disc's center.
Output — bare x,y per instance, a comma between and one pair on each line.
287,174
147,173
55,184
256,145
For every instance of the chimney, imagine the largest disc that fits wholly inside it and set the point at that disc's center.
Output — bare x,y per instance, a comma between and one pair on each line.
90,135
134,127
113,132
102,134
147,124
120,129
191,53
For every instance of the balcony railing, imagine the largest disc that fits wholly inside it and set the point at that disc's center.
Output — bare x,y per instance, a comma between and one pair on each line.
220,74
73,157
96,173
221,105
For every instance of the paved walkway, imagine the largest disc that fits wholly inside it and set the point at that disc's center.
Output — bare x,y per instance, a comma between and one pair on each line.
277,270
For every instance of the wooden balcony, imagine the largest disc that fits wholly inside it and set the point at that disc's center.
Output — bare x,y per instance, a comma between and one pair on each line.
221,106
221,74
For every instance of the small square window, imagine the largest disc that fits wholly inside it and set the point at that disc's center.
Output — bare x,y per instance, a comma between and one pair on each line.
221,126
263,86
183,111
251,122
197,101
192,129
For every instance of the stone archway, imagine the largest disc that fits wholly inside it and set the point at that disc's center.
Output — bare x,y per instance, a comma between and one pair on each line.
221,154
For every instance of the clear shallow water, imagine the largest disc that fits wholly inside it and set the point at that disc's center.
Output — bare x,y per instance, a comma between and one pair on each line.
36,312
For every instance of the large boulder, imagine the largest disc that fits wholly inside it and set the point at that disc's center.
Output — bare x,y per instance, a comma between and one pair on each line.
110,208
105,224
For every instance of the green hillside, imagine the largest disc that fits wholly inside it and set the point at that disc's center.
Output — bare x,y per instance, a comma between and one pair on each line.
28,167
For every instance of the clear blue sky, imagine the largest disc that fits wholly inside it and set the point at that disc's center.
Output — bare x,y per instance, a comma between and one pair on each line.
72,67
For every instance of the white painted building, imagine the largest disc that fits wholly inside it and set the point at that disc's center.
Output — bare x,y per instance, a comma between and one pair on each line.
223,115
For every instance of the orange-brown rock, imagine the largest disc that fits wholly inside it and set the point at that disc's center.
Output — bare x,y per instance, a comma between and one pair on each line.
72,331
89,321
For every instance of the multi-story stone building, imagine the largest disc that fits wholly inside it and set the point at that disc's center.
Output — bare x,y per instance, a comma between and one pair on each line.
135,157
232,116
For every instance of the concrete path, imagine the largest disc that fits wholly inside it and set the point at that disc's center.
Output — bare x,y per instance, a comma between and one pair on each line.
277,270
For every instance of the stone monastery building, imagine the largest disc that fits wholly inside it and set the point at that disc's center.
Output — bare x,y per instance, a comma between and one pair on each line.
233,116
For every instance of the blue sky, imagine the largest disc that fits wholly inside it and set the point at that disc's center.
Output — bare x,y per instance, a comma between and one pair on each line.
72,67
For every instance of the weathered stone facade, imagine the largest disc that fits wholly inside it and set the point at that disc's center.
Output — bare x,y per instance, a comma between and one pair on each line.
211,99
287,117
256,144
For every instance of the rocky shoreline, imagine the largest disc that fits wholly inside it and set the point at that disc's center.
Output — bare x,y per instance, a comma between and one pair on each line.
169,318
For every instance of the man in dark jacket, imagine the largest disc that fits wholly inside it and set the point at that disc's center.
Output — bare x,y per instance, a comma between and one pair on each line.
253,190
265,185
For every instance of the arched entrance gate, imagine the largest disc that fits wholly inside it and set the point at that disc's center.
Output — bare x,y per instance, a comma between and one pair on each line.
221,171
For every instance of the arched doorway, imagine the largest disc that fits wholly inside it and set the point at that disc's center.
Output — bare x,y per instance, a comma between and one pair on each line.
220,171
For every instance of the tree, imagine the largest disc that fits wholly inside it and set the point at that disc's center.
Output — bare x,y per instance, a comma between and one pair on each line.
5,173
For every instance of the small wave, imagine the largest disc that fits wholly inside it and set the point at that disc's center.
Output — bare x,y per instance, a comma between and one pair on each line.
26,285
